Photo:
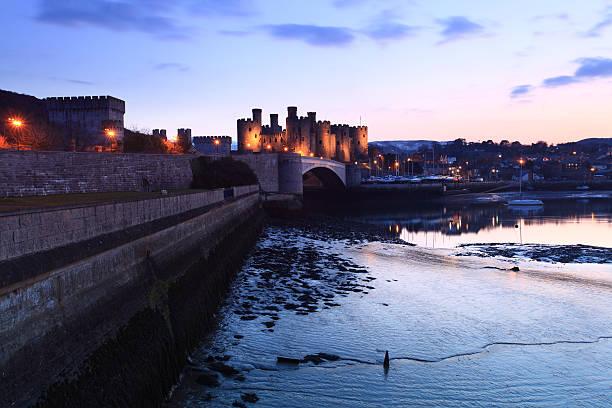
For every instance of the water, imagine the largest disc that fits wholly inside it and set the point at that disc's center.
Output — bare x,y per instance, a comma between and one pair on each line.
460,330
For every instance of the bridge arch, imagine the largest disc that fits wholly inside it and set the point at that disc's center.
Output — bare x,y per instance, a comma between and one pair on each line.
322,173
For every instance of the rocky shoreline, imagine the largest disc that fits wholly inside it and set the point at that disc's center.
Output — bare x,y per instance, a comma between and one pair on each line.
540,252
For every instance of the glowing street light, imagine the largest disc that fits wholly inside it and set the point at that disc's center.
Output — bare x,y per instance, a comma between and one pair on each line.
217,142
16,122
111,133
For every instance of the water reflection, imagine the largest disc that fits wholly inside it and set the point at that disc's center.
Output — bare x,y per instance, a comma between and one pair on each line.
565,222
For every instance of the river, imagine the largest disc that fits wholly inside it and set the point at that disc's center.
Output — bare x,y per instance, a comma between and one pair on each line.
476,305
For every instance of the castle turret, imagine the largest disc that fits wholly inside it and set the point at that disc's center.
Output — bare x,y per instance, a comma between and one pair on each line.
249,133
292,129
325,140
274,122
257,115
359,141
184,139
343,142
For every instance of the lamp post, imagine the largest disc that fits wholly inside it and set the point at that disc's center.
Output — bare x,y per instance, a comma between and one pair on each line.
217,142
16,123
521,162
110,134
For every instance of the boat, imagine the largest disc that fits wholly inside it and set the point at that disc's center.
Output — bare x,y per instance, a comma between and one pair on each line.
524,202
583,187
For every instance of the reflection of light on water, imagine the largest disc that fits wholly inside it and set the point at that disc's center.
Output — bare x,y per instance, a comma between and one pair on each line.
589,230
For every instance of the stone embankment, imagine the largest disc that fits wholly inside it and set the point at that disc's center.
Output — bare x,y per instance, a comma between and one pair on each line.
100,305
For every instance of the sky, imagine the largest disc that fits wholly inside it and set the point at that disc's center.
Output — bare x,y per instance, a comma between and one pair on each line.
409,69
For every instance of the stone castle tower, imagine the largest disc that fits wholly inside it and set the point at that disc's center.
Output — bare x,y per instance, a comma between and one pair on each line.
88,120
304,135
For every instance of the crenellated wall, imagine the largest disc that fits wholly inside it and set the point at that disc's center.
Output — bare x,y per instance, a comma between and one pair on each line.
303,135
86,118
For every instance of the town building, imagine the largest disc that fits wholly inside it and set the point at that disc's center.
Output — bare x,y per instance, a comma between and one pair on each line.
304,135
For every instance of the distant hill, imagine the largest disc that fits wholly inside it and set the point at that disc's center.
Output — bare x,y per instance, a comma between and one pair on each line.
37,133
403,146
411,146
596,141
28,107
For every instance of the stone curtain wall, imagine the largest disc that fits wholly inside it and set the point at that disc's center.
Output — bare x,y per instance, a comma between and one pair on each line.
27,173
32,232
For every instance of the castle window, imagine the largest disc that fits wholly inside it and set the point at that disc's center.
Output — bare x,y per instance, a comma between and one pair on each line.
320,142
249,129
255,135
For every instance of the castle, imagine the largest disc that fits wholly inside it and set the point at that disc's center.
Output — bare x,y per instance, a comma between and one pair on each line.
88,120
304,135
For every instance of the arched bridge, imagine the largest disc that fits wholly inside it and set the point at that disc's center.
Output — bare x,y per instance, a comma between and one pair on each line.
288,173
323,172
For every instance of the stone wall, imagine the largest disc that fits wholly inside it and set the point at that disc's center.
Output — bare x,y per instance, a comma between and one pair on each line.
30,232
265,166
27,173
51,322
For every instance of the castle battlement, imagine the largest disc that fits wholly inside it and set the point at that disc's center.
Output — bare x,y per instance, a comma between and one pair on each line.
211,139
85,102
304,135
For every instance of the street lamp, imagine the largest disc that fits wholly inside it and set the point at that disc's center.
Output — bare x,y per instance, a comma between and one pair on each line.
111,133
521,162
16,123
217,142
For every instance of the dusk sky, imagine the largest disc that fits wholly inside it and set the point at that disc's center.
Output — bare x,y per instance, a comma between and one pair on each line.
519,70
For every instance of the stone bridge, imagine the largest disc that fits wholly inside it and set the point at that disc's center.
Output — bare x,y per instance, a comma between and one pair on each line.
288,173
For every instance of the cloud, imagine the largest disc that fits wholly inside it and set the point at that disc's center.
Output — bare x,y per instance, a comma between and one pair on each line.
347,3
113,15
228,8
558,16
72,81
235,33
588,69
458,27
559,81
594,68
171,66
155,17
520,91
603,24
321,36
386,27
